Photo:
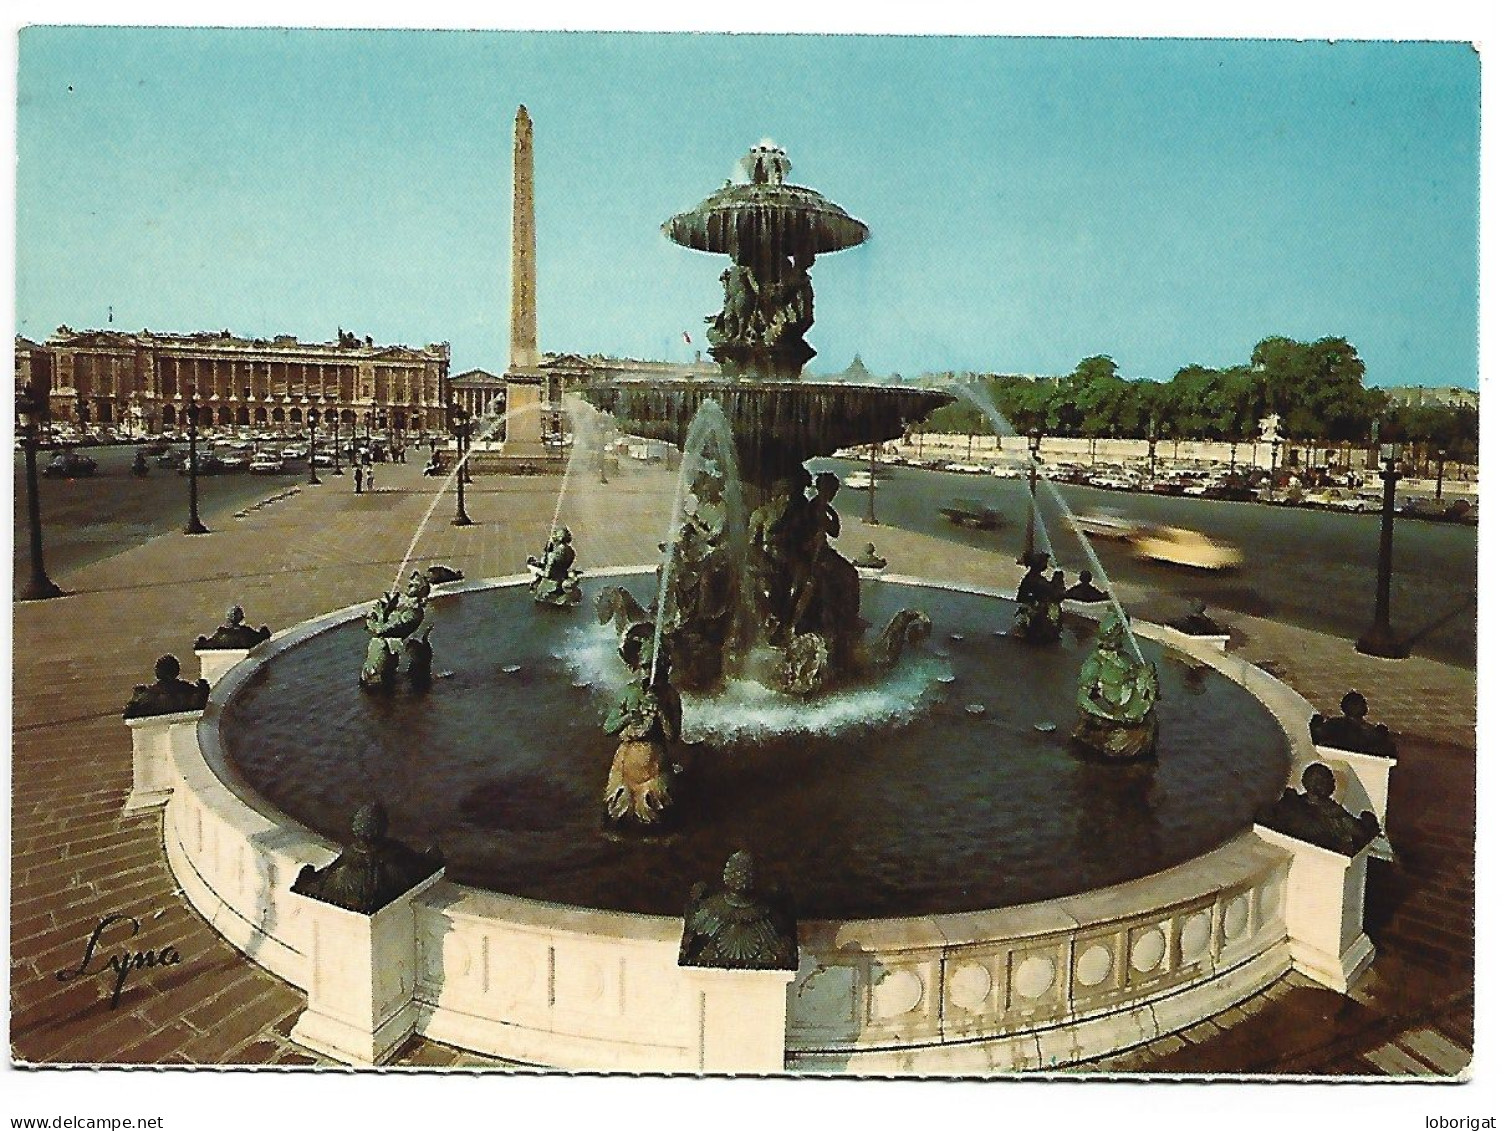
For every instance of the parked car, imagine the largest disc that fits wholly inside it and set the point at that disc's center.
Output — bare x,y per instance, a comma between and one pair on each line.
966,468
972,514
324,459
294,451
70,465
1179,546
266,464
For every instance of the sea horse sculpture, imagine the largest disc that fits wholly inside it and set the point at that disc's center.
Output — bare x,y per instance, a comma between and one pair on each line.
1116,697
396,624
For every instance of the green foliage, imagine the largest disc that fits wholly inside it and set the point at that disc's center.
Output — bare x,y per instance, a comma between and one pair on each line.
1317,388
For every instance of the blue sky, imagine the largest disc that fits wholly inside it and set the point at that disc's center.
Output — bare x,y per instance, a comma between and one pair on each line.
1031,201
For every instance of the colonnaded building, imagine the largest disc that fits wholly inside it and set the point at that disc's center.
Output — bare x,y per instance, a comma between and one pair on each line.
144,379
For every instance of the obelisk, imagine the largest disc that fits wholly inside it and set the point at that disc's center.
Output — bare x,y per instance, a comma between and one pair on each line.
525,272
525,422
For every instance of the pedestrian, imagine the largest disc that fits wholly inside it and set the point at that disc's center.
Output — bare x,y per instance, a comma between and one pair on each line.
357,477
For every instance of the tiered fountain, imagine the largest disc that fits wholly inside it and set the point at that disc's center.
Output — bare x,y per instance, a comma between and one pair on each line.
974,890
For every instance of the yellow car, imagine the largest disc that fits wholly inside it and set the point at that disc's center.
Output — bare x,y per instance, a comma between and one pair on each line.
1183,547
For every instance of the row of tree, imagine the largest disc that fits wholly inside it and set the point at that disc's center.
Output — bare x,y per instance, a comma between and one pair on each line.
1316,389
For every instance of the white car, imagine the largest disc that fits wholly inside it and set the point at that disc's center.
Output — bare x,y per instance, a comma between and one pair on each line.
1178,546
293,451
966,468
1003,472
858,480
266,464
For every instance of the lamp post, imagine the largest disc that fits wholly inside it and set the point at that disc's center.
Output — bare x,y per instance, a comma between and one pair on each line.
461,422
29,410
313,474
1035,457
194,525
1380,639
1150,442
337,469
1438,492
872,519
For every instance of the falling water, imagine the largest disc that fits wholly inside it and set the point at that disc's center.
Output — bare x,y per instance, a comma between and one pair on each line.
1002,427
439,494
587,443
709,432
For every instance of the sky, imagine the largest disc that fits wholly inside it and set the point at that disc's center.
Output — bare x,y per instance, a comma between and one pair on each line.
1031,201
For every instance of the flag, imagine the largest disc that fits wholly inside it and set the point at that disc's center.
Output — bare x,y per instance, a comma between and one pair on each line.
686,335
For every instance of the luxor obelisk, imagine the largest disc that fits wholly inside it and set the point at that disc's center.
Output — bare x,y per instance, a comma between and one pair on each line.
525,382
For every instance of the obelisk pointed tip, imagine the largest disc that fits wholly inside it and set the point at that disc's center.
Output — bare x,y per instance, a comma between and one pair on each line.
522,113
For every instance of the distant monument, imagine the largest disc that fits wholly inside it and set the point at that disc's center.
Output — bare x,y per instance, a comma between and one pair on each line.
525,381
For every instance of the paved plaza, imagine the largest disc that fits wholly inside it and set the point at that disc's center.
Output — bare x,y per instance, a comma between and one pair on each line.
76,860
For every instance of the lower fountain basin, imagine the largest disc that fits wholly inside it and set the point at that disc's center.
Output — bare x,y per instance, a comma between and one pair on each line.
904,801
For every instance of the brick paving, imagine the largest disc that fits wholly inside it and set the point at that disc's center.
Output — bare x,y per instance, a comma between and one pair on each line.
75,860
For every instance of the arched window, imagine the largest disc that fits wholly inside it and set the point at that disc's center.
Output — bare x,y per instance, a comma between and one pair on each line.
225,415
243,415
295,415
169,416
278,416
348,417
261,416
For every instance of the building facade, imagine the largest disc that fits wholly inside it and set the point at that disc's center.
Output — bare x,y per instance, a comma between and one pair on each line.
143,381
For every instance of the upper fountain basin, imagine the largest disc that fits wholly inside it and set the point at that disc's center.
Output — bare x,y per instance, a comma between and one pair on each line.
776,425
789,218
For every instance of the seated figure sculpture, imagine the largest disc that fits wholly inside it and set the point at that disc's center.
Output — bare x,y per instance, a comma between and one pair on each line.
1038,612
555,580
869,559
739,928
394,623
234,633
1349,730
170,695
640,785
1314,816
1116,697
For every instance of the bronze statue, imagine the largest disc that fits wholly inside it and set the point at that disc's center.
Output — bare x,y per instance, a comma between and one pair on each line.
1349,730
234,633
170,695
1038,610
1315,817
396,624
1085,591
555,580
1196,621
640,785
1116,697
869,559
739,928
372,870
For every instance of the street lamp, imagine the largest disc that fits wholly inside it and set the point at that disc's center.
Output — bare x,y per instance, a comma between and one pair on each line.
313,474
1035,457
29,410
194,525
461,423
872,519
1380,639
1438,494
1151,446
337,470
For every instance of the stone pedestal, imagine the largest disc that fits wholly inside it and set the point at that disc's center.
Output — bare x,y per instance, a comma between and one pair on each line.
362,970
1364,782
525,418
215,662
1325,911
154,740
742,1019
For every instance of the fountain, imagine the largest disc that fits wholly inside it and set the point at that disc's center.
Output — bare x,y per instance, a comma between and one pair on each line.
968,858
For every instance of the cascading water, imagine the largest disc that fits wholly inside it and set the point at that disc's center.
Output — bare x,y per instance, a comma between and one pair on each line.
709,450
440,492
1002,428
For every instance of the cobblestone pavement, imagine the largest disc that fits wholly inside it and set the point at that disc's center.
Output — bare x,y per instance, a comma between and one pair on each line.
75,860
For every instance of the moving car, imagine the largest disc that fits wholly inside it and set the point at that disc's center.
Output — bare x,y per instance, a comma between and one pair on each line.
1179,546
966,468
858,480
972,514
1108,524
70,465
